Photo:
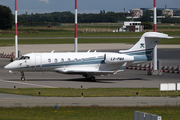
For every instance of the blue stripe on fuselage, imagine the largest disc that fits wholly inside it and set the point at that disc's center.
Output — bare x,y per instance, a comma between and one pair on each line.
138,52
93,60
140,55
142,58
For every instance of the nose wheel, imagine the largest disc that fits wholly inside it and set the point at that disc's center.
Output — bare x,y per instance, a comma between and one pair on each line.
22,76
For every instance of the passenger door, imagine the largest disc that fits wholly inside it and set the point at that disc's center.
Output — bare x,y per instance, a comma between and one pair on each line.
38,62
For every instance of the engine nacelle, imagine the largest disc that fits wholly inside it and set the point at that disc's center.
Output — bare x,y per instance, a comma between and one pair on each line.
113,58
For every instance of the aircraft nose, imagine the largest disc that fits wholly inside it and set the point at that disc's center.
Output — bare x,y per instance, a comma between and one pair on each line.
6,67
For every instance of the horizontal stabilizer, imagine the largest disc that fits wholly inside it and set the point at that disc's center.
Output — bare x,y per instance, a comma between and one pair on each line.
156,35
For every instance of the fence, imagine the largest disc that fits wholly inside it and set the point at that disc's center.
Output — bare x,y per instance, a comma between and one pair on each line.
165,69
3,55
145,116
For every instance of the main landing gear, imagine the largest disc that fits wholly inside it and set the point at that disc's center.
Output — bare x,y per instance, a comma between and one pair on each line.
90,77
22,76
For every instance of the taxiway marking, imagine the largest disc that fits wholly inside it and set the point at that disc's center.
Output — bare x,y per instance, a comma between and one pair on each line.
26,84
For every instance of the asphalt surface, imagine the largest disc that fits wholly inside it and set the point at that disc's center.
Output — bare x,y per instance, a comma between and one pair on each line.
7,100
128,78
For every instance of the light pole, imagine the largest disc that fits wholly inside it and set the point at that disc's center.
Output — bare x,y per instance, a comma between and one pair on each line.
76,40
16,33
155,48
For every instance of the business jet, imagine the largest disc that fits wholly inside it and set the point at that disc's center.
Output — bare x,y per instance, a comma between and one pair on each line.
89,64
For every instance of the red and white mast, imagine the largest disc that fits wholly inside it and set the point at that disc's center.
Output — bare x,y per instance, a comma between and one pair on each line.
76,40
16,34
155,16
155,48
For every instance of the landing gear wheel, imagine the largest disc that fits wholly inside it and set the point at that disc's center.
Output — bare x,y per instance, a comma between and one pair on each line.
23,79
22,76
92,78
89,77
86,77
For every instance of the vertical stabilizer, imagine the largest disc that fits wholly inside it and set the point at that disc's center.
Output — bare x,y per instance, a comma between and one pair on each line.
146,44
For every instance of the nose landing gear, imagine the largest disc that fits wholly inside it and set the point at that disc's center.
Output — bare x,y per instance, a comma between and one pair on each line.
22,76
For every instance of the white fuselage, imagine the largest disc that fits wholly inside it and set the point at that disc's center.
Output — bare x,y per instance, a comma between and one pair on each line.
74,62
88,63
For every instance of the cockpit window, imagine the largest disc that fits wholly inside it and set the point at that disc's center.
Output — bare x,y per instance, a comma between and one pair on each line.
24,58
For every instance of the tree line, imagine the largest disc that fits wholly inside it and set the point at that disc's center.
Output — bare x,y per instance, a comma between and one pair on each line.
56,18
6,17
68,17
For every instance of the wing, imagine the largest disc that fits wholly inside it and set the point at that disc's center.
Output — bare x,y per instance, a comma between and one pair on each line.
90,72
83,72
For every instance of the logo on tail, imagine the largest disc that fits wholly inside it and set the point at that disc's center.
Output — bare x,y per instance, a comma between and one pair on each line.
142,45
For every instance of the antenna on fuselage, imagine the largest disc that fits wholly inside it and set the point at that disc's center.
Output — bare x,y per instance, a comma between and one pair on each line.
76,40
52,51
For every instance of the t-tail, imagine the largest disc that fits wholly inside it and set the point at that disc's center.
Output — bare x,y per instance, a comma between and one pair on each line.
142,50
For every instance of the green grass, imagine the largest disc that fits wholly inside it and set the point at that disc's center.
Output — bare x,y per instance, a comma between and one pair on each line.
86,113
168,27
67,33
30,32
172,33
68,41
40,33
91,92
173,41
10,42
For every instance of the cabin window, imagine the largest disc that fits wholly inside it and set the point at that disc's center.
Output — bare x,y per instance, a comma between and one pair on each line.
62,60
75,59
82,60
55,60
49,60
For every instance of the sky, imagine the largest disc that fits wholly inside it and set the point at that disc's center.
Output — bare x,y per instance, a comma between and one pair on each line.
84,6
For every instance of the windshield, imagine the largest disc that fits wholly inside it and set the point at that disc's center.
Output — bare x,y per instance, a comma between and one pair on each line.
24,58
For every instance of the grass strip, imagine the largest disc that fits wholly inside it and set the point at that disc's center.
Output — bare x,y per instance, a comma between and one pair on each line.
10,42
86,113
68,33
90,92
6,42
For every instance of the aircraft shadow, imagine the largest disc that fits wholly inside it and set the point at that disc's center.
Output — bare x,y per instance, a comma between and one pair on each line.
35,80
103,80
83,80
